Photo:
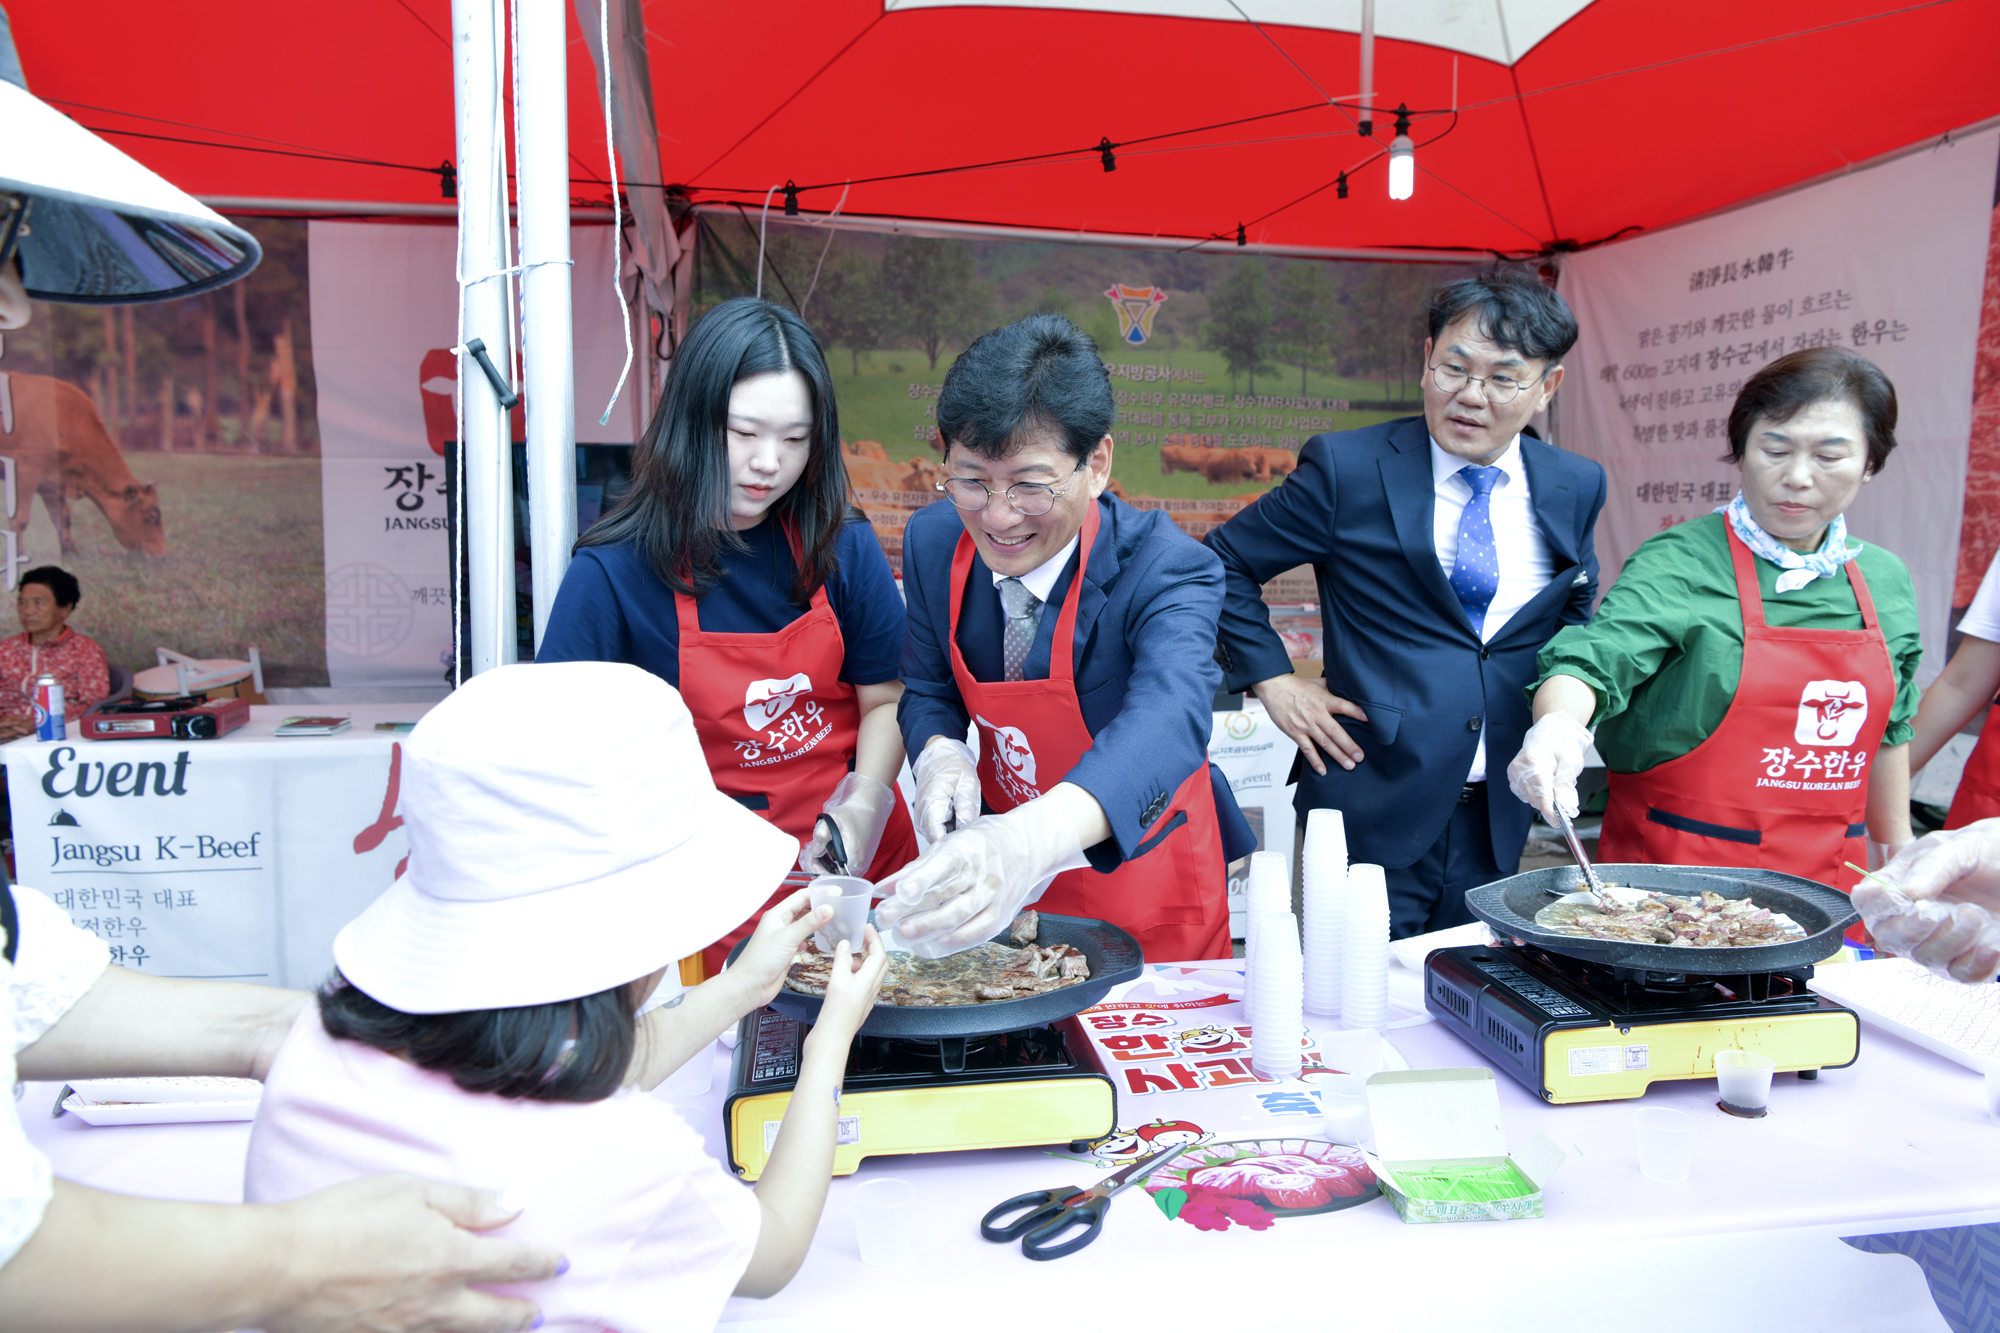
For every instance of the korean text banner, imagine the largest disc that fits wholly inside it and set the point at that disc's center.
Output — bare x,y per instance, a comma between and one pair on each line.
1886,262
385,318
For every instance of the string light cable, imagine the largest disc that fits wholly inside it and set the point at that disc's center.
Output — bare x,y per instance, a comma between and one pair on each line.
617,213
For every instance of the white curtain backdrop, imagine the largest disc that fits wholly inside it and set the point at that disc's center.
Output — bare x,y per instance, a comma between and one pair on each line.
1888,261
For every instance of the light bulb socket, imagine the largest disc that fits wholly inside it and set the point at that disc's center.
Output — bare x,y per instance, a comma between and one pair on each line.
791,200
1340,187
1240,238
1402,120
447,179
1109,158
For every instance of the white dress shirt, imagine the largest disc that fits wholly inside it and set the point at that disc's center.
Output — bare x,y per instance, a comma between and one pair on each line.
1525,565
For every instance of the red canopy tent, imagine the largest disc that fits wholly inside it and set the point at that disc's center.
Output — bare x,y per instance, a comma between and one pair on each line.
1574,122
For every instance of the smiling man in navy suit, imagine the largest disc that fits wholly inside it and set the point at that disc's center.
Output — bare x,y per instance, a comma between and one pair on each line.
1075,633
1448,548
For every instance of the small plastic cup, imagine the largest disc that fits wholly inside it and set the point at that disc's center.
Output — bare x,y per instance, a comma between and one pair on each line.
849,897
1343,1107
1666,1144
883,1210
696,1077
1744,1079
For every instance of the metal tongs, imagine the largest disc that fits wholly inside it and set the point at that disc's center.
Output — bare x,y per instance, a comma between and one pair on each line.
836,854
1597,888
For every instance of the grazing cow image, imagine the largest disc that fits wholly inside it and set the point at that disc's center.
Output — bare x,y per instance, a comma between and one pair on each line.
863,449
1268,463
1183,458
61,450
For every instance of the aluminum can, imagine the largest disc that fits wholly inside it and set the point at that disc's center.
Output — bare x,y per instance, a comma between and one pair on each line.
49,724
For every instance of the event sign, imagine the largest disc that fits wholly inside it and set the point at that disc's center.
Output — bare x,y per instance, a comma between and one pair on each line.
193,859
1887,262
384,321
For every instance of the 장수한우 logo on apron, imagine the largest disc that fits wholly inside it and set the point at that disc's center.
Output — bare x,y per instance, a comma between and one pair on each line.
1016,769
1831,712
790,720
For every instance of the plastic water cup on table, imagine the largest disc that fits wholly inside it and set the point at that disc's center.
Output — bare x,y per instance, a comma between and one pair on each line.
883,1220
1343,1107
849,898
1744,1080
1666,1144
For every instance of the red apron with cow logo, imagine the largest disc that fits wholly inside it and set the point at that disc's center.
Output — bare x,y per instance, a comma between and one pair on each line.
778,727
1173,897
1782,783
1978,795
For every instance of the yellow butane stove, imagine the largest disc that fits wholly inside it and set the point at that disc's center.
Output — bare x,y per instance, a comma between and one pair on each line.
1035,1086
1572,1030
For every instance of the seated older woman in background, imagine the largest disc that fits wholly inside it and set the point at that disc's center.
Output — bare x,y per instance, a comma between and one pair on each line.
48,646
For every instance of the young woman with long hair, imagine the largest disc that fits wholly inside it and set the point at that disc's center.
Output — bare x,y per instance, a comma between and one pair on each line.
736,570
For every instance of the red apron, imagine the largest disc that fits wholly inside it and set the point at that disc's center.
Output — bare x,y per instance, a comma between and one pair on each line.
1978,795
1173,898
1782,784
778,728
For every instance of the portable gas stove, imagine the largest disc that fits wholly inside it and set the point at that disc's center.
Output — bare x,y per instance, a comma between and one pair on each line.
1571,1030
1038,1085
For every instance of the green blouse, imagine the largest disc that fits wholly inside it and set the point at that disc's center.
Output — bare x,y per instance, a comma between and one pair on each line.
1666,646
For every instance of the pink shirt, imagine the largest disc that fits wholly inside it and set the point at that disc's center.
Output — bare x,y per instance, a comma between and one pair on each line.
73,659
656,1231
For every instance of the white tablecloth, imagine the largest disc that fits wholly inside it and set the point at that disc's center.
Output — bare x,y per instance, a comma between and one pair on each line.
1898,1142
240,857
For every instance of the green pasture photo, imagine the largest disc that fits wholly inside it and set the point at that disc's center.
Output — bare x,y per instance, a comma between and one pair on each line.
244,565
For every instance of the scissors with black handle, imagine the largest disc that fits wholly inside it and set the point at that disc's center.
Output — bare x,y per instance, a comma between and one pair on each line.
1043,1216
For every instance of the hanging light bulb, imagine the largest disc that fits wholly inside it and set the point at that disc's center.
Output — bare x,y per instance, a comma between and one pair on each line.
1402,158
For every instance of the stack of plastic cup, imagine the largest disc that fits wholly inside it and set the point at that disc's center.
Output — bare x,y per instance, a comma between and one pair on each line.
1364,955
1269,890
1323,888
1277,997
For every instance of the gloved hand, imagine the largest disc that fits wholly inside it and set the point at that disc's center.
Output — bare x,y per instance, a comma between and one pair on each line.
1944,910
969,885
1544,773
947,787
860,806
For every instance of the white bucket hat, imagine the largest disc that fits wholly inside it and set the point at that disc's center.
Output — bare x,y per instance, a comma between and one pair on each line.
565,838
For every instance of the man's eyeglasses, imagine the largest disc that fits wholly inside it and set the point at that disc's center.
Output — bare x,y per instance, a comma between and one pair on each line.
1031,499
1499,389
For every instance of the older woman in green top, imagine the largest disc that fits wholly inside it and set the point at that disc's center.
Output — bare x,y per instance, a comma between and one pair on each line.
1751,676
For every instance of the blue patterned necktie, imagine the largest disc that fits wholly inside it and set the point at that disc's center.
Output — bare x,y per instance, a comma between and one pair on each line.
1475,574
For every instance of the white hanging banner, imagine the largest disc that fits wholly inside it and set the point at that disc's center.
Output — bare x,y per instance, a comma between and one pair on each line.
1888,262
384,321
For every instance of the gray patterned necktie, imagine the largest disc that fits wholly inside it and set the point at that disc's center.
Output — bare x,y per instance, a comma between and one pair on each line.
1021,607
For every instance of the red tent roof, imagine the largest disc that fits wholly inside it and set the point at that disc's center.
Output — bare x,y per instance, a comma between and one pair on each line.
1626,114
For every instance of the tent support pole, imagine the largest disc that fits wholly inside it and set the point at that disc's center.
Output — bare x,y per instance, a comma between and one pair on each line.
547,344
487,484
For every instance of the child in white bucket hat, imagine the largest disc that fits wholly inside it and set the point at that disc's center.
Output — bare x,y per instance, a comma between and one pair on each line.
566,845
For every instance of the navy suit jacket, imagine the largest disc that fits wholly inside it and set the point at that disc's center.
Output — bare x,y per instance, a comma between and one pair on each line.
1145,670
1359,510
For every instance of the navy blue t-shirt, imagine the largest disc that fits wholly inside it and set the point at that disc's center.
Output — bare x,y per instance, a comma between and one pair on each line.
612,607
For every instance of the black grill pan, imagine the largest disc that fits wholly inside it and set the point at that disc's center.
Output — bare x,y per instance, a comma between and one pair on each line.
1509,907
1114,956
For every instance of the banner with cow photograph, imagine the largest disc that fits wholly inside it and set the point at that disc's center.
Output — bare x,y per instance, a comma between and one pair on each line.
167,455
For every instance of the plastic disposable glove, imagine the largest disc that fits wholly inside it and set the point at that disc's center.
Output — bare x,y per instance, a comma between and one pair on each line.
1944,911
861,806
970,884
947,787
1544,773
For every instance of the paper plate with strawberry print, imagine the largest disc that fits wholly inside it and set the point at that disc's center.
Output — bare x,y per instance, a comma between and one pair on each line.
1250,1182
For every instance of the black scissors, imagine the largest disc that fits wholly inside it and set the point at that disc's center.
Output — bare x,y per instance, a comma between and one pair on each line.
1049,1213
836,846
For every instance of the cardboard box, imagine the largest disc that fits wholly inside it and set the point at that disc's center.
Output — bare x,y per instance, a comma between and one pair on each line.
1447,1121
